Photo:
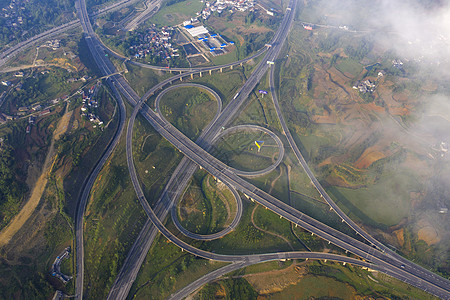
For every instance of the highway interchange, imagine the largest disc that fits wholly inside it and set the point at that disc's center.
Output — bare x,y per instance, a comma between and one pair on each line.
377,256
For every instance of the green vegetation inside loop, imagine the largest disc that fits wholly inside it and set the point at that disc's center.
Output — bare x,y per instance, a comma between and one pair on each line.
246,238
190,109
239,150
207,206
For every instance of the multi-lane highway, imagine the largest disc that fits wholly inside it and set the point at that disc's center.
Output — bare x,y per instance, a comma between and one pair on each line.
325,195
383,262
189,289
152,5
16,49
196,154
435,285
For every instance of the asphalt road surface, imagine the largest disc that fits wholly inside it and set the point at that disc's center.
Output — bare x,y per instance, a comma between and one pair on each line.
407,272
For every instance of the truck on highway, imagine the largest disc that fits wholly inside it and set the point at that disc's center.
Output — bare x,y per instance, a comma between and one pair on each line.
235,96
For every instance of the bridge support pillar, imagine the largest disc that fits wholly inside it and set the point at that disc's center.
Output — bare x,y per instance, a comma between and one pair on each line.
241,64
331,208
210,72
200,74
170,71
221,70
181,78
231,67
325,260
181,72
344,263
312,234
192,76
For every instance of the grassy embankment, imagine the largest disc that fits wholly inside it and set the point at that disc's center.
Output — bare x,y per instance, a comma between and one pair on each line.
114,217
284,280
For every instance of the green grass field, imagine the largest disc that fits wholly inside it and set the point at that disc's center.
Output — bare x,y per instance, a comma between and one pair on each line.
142,79
225,84
177,13
246,238
347,65
386,202
189,109
203,208
167,269
239,150
225,58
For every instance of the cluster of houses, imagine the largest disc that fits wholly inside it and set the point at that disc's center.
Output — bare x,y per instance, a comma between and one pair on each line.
53,44
6,83
155,42
14,14
89,104
397,63
308,26
31,121
365,86
221,5
5,118
24,110
36,110
83,79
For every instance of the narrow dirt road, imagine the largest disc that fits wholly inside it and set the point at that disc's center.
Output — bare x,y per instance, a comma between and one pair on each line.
36,194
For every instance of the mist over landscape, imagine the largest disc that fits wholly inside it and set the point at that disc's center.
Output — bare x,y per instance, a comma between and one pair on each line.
225,149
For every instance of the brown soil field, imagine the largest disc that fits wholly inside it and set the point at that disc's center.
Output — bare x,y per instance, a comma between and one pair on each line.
277,280
400,111
400,236
324,119
429,235
373,107
369,156
401,97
